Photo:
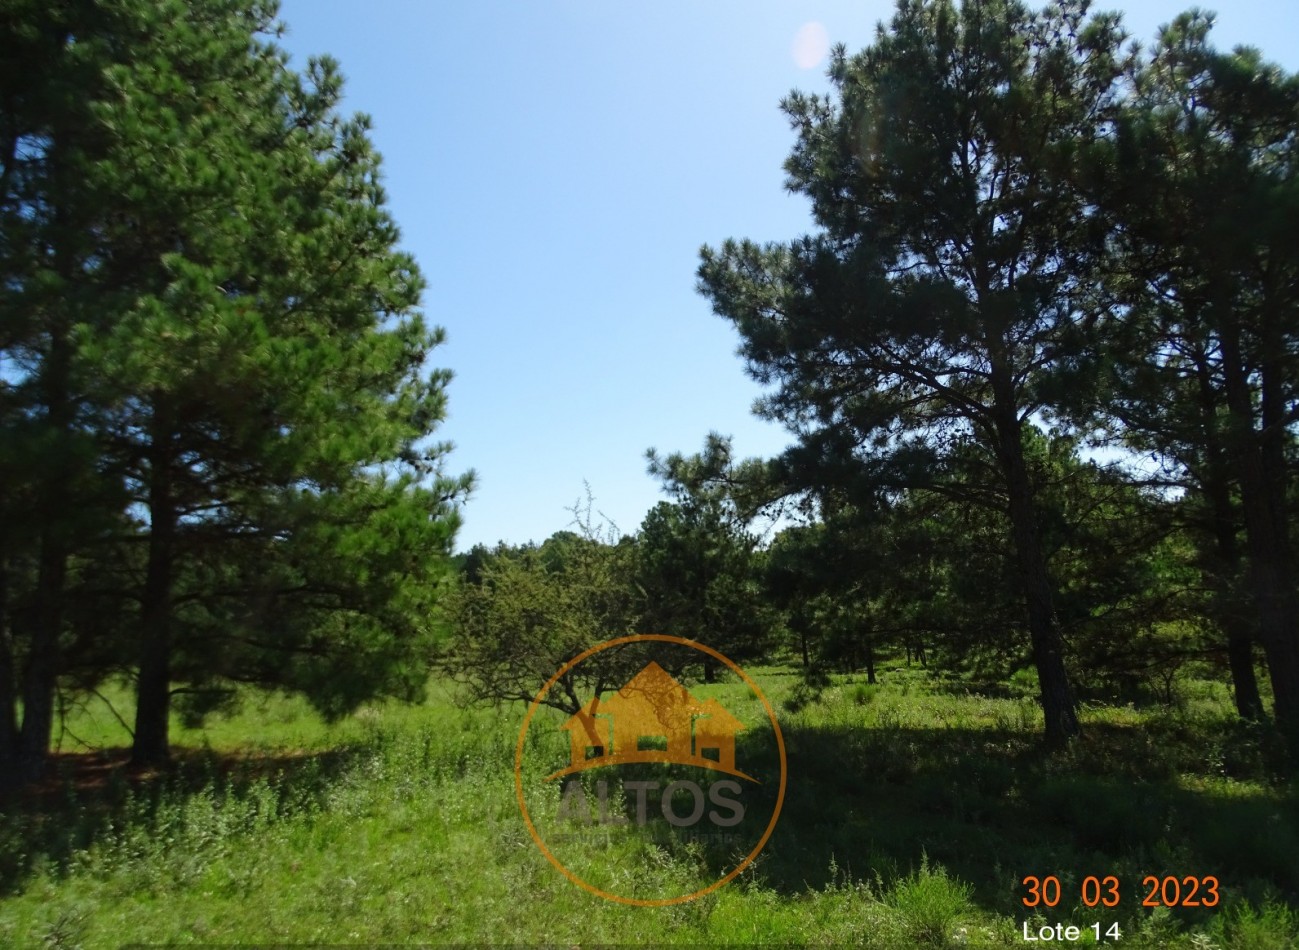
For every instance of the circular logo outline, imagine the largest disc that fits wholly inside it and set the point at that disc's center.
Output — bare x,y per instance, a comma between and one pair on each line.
523,735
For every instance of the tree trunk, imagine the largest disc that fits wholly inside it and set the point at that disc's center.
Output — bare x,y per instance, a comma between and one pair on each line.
1262,493
41,674
153,686
1223,564
42,661
1283,653
1244,681
1044,629
1240,640
9,770
870,662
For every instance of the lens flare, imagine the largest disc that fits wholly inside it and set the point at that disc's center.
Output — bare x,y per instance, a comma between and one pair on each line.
811,43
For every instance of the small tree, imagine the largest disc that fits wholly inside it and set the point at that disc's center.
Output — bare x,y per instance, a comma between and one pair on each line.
699,562
529,611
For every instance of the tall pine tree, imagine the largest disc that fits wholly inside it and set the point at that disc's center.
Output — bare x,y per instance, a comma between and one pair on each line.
946,291
1206,189
252,375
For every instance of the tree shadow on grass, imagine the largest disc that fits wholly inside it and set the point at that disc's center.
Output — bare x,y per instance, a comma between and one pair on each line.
992,806
86,796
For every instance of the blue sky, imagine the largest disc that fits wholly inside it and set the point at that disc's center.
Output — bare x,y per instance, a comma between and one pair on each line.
555,168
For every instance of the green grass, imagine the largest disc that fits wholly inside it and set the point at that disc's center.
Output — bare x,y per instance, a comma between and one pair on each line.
913,812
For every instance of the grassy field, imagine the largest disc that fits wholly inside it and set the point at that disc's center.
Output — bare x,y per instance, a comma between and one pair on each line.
914,811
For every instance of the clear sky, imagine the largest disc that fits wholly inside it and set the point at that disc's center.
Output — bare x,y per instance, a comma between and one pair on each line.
555,168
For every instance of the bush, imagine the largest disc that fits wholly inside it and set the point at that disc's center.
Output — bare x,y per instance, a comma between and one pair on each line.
929,904
1273,927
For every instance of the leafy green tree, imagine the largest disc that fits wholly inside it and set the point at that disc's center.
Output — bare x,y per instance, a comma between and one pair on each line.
947,295
531,610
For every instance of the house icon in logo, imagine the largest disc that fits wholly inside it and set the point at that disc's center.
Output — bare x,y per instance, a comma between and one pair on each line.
653,719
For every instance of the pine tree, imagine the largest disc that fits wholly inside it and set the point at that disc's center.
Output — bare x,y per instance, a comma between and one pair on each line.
56,494
946,292
252,374
1204,183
